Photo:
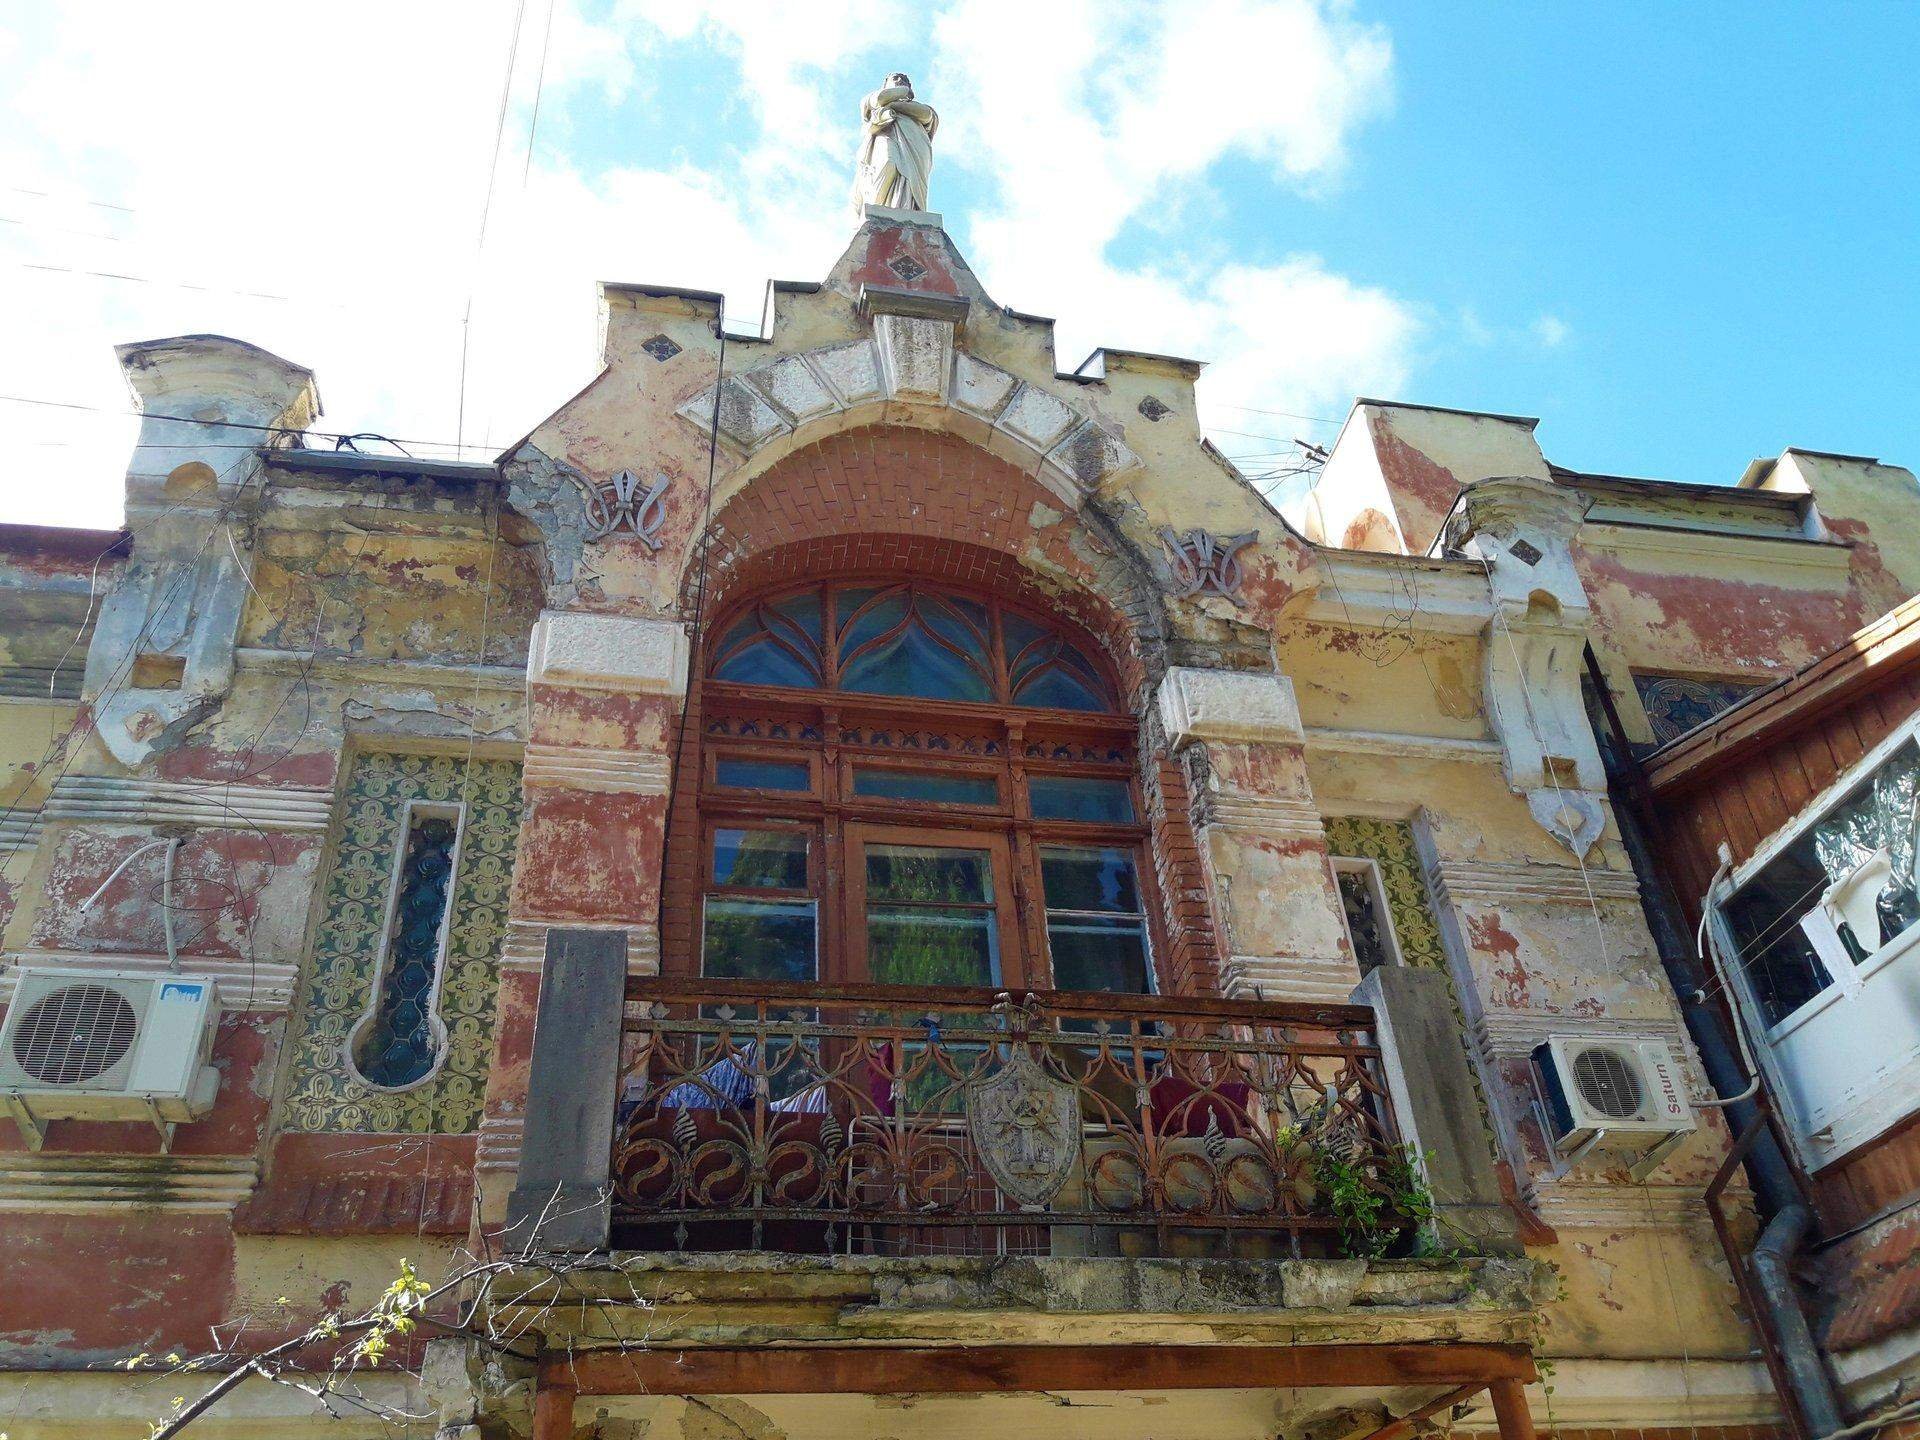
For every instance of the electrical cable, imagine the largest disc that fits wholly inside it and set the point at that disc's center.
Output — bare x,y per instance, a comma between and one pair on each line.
486,213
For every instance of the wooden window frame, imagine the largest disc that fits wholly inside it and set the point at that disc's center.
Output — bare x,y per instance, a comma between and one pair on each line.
1011,956
834,731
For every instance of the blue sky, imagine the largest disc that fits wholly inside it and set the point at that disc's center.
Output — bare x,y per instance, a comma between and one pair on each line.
1682,235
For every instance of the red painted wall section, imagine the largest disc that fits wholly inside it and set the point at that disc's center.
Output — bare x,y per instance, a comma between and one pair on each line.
891,253
363,1185
589,857
221,878
1423,489
94,1289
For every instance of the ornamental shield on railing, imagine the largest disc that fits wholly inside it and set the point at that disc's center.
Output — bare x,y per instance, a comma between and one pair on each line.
1025,1123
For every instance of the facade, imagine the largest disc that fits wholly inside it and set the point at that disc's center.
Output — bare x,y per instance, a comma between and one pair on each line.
897,861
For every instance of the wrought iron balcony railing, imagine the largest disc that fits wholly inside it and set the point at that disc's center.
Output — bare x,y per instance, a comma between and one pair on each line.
875,1119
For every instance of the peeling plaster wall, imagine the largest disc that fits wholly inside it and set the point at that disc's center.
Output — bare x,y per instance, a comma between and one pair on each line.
391,580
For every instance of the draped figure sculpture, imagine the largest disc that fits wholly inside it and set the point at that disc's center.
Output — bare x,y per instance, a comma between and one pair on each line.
896,148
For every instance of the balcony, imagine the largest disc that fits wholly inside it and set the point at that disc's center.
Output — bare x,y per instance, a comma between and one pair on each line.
868,1120
809,1199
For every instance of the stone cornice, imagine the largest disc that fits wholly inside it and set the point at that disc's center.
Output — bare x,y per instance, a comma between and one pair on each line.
1504,1034
1360,589
1264,814
1455,881
1308,979
1398,746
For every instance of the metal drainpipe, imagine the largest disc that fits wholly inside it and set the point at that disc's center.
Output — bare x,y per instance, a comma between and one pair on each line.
1774,1184
1806,1372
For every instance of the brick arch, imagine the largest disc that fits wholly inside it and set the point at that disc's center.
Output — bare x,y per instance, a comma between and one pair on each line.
895,499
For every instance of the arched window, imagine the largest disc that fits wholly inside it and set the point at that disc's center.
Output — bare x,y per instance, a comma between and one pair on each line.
909,784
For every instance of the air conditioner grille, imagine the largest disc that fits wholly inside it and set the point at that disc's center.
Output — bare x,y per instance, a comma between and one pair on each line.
74,1034
1607,1083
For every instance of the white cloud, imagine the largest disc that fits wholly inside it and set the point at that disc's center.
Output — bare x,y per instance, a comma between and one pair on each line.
1110,116
338,156
1551,331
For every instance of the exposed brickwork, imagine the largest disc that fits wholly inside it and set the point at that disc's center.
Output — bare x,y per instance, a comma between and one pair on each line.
1875,1278
1191,962
897,500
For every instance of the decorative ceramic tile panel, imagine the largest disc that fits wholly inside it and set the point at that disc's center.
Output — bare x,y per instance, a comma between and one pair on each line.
1389,844
325,1093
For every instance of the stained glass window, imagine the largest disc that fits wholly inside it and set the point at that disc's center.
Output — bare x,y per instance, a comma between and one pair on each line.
400,1046
1675,704
908,640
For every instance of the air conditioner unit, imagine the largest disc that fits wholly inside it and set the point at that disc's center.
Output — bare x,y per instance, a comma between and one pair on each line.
1612,1094
94,1045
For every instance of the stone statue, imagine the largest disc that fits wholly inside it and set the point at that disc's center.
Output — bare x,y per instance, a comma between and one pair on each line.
896,148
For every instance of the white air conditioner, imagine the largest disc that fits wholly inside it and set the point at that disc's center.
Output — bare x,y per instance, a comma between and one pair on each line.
1612,1094
96,1045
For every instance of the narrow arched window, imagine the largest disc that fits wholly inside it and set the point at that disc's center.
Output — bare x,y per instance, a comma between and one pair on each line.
916,785
400,1040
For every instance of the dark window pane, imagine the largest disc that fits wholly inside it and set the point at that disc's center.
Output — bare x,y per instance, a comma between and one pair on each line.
930,945
759,940
776,644
399,1047
740,774
802,611
1095,952
929,874
1046,671
1780,961
1089,877
1023,635
765,859
961,622
948,789
1075,797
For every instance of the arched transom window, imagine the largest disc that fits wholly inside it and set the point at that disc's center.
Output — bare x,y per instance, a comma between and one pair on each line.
914,785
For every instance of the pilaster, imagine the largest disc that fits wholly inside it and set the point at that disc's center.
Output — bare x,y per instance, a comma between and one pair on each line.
604,698
1239,738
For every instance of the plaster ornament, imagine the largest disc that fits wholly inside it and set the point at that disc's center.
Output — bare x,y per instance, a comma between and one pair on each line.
896,148
1202,562
1573,817
622,501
